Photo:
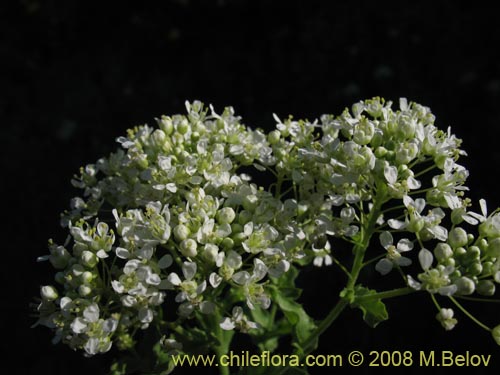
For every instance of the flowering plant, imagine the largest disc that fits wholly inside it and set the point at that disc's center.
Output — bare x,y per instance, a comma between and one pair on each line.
173,244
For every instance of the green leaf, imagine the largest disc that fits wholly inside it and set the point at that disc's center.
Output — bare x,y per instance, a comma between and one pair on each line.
296,315
373,309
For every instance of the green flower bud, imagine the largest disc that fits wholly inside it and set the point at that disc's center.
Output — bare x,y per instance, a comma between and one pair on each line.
89,259
188,248
238,238
442,251
497,277
495,332
465,286
474,252
227,243
48,293
494,248
475,269
226,215
380,152
377,140
181,232
457,237
250,202
483,244
488,268
166,125
236,228
86,277
274,137
460,252
183,126
448,262
59,257
84,290
486,288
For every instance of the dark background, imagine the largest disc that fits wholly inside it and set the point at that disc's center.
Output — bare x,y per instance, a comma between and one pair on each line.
76,74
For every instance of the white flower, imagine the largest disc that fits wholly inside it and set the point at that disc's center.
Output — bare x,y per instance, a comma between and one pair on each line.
322,256
238,321
393,257
254,292
445,317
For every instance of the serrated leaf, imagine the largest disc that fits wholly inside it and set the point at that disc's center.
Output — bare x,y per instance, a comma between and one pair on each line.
373,309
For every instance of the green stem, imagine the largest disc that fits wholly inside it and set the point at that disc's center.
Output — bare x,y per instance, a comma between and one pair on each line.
469,315
366,233
325,323
309,344
387,294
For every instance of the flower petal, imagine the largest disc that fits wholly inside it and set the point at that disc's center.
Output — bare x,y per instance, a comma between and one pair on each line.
425,258
384,266
386,239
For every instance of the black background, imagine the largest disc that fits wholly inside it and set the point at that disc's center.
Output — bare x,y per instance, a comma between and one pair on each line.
76,74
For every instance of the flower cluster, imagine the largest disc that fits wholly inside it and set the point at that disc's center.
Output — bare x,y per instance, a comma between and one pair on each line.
185,220
172,223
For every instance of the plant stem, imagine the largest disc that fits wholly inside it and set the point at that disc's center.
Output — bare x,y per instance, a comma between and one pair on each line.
387,294
367,229
309,345
325,323
469,315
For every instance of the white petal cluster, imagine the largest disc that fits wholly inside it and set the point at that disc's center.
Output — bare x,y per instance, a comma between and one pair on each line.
172,222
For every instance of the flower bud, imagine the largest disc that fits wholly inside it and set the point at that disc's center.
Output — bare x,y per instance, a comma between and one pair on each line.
181,232
48,293
457,237
59,257
183,126
86,277
227,243
445,317
238,238
495,332
494,248
236,227
475,269
188,248
84,290
486,288
250,202
226,215
274,137
496,277
158,137
89,259
210,252
465,286
380,152
244,217
166,125
443,251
